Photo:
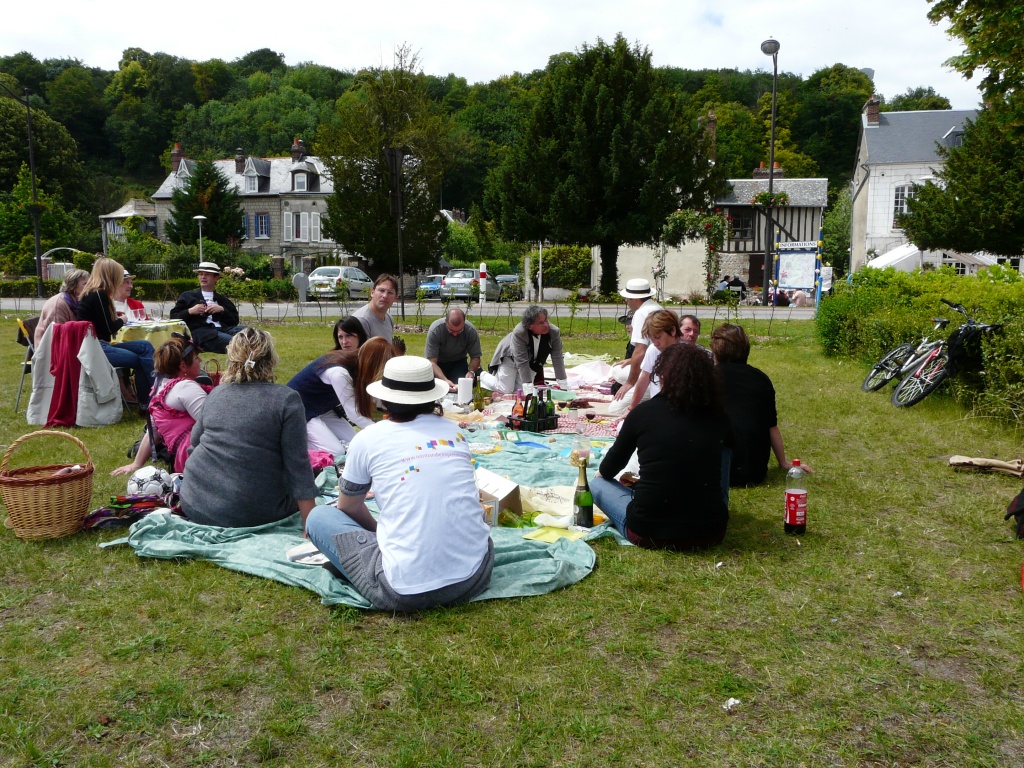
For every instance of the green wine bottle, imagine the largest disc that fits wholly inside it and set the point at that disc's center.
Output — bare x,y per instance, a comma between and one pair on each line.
583,501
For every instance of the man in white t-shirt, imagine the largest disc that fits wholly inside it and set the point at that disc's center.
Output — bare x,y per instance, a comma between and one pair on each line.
429,544
637,293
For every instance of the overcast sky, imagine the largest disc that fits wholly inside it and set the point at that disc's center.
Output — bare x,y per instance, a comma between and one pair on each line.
485,39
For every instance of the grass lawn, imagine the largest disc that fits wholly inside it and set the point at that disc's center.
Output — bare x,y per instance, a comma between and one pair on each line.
889,635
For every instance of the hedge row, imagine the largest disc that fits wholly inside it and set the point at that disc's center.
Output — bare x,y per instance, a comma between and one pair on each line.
165,290
880,309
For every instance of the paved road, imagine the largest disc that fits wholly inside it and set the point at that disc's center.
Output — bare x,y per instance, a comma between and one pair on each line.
311,310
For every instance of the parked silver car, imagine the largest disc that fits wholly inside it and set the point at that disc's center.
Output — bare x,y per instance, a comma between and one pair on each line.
458,284
324,282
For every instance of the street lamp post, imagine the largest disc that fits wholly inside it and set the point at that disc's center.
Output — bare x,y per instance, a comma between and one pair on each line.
395,157
770,47
34,211
199,220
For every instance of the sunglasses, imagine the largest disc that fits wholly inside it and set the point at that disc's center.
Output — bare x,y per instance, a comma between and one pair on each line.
190,348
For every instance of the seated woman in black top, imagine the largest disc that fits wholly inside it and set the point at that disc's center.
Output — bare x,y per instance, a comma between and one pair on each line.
750,403
681,436
97,306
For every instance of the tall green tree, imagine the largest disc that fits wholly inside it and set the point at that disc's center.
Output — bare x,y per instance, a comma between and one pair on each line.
977,200
57,227
836,233
205,193
827,122
994,45
58,166
607,154
915,99
387,108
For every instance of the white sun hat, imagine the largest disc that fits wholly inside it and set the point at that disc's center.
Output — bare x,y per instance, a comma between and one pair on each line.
207,266
637,288
408,380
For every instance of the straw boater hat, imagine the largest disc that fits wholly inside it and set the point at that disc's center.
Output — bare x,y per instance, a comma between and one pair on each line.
128,275
637,288
408,380
207,266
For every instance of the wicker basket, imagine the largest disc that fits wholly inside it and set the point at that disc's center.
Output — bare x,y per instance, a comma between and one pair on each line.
39,505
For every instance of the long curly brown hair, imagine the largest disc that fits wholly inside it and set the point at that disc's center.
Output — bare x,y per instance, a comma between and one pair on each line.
689,380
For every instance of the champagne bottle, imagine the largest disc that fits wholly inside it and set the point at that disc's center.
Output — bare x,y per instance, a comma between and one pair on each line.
583,501
531,408
478,393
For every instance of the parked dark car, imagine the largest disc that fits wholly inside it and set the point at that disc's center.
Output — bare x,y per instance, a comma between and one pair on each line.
510,288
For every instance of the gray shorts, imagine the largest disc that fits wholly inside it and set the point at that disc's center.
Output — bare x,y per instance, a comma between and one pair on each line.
360,556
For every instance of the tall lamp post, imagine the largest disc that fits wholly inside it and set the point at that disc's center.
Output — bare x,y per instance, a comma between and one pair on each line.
199,220
396,157
770,47
34,210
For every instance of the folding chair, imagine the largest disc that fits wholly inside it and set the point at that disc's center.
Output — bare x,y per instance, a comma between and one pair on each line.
25,336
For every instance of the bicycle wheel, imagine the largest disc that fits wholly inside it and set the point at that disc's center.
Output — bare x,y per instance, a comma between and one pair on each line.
885,370
920,383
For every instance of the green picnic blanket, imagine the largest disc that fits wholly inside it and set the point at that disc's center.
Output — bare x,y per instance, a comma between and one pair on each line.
521,567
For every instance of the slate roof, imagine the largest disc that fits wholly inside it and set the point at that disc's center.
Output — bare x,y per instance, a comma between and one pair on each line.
277,168
808,193
910,137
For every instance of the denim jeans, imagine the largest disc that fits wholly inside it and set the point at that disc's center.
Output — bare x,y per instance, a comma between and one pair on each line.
613,498
322,524
138,356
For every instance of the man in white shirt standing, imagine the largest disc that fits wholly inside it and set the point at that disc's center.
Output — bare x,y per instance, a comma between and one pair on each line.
637,293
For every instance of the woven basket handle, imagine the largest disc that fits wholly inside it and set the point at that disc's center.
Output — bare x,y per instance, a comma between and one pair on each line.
43,433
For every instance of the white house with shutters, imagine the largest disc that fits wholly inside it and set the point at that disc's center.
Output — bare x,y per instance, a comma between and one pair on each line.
283,199
897,152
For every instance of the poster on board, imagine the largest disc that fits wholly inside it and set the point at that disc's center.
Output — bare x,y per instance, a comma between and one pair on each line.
796,269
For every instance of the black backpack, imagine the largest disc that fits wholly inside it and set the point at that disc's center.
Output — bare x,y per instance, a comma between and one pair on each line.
1016,511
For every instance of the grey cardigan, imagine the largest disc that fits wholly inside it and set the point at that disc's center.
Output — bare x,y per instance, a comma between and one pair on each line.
249,463
516,346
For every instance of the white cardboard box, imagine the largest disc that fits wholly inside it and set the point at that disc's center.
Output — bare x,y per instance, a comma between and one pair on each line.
497,493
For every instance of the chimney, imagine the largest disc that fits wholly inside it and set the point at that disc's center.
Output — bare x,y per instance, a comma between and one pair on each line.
761,172
871,111
176,156
778,171
298,150
239,160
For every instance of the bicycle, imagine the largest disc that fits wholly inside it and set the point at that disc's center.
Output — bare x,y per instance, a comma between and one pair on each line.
895,362
925,372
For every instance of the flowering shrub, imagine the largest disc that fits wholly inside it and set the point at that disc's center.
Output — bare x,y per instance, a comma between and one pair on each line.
711,226
775,200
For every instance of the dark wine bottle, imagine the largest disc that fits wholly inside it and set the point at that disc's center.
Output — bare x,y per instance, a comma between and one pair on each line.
583,501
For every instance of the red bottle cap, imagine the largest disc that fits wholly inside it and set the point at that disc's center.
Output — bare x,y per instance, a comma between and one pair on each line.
796,462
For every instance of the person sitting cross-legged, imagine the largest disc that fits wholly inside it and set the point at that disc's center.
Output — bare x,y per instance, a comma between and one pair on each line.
430,545
211,317
681,436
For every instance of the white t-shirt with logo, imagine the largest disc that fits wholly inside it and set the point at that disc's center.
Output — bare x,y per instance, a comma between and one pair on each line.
431,529
639,318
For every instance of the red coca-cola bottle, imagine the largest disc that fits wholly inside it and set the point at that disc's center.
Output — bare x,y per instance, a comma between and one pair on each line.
795,521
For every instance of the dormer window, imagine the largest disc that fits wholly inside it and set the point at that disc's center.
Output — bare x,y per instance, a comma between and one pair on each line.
251,184
300,182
